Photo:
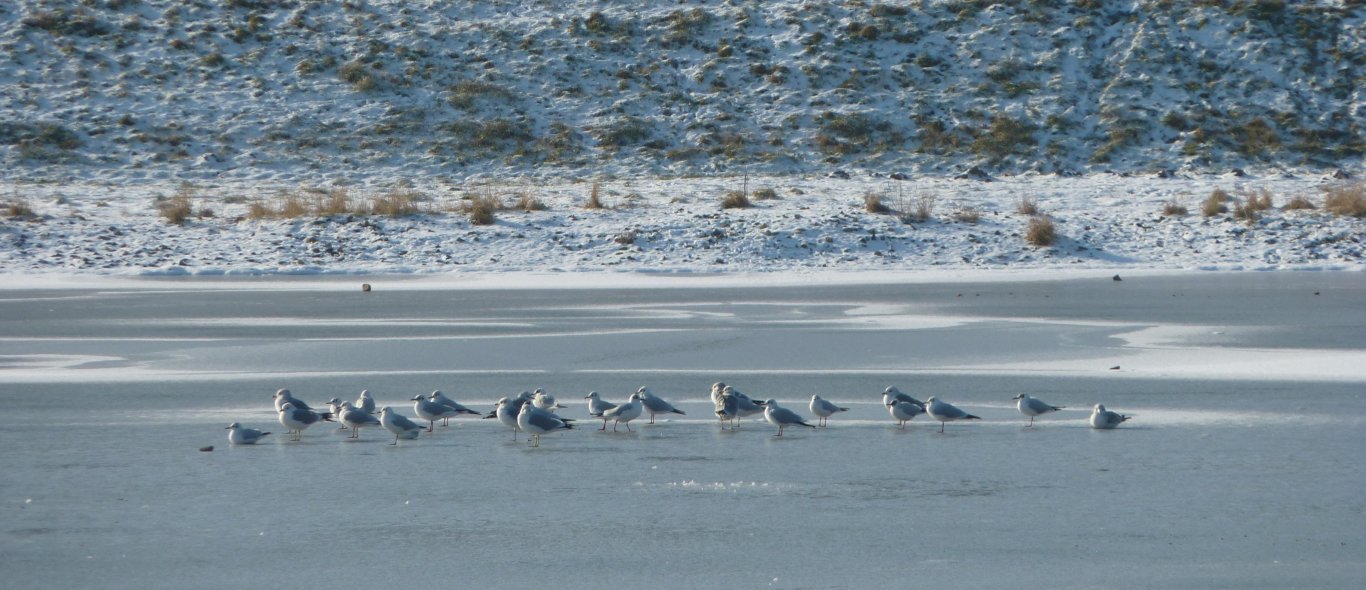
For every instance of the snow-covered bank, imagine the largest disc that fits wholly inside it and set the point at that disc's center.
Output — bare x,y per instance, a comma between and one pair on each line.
677,227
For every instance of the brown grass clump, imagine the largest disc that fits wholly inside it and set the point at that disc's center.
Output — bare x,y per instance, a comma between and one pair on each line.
1041,231
595,197
765,194
1027,206
967,214
735,200
18,208
1174,208
258,210
1298,203
335,202
921,210
872,203
397,204
1346,200
176,210
482,209
1259,200
528,202
293,206
1215,204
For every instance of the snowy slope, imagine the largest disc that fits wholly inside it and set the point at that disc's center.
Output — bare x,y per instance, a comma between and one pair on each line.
815,223
305,92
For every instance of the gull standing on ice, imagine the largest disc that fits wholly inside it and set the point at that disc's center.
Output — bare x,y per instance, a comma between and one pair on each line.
655,404
283,396
366,402
823,409
507,410
903,411
544,400
945,412
241,435
596,407
716,390
441,398
295,420
400,425
430,411
744,405
356,418
334,408
1103,419
1032,407
727,409
782,417
535,422
892,393
624,413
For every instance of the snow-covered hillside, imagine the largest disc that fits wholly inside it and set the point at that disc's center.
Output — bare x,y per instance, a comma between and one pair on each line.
307,91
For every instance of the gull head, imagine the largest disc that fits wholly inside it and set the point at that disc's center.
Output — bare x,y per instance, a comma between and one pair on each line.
1021,396
233,426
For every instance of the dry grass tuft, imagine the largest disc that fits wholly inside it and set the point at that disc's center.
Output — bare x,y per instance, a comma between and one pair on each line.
921,210
176,210
482,208
967,214
398,204
1041,231
1347,200
19,208
765,194
735,200
1259,200
528,202
1298,203
1215,204
1174,208
595,197
872,203
1027,206
335,202
292,206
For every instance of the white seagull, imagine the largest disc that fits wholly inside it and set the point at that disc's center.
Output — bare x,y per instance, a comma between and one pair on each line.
241,435
1032,407
356,418
596,407
892,393
535,422
366,402
431,411
295,420
400,425
283,396
903,411
782,417
624,413
544,400
655,404
726,409
744,406
945,412
440,398
507,409
1103,419
334,408
823,409
716,390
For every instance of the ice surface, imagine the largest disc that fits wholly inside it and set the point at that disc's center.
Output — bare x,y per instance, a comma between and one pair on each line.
1220,480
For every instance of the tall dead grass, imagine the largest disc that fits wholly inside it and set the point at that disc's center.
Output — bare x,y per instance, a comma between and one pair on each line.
1348,200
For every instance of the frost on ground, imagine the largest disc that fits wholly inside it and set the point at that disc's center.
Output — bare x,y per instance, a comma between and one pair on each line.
673,225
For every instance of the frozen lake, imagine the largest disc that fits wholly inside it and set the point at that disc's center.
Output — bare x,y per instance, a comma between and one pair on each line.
1241,467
